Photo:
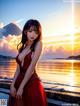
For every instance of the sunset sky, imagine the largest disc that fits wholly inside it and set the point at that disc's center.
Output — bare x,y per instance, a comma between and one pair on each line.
60,19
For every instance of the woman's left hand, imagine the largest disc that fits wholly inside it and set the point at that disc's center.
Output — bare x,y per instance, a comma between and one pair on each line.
19,93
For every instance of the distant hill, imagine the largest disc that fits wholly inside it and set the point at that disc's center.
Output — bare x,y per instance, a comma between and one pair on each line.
6,57
11,28
70,58
74,57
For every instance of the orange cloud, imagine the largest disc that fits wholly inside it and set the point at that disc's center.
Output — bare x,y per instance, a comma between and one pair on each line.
8,45
53,47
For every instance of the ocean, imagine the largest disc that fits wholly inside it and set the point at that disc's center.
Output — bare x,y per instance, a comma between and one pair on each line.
53,73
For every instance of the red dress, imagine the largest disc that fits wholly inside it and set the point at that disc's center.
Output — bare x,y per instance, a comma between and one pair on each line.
33,93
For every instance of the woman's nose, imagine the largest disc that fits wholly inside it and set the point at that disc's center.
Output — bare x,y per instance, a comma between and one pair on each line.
33,33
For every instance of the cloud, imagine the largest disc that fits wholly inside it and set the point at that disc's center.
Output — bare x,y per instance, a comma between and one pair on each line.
5,49
8,45
1,24
59,52
18,21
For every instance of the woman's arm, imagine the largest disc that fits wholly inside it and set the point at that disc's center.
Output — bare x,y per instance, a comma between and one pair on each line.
16,74
12,88
31,67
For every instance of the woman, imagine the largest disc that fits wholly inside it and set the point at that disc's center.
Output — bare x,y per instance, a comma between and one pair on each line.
26,88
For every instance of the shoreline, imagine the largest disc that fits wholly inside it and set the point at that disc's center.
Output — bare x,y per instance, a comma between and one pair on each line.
48,85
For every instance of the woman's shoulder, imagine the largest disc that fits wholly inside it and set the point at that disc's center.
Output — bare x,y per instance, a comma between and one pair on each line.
38,46
39,43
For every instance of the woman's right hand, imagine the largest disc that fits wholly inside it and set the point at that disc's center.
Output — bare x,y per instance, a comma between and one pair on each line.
13,91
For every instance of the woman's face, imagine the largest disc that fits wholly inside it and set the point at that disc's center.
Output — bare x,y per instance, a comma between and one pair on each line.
32,33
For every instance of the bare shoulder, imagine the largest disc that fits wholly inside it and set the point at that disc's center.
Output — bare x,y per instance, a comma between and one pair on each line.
38,48
39,42
39,45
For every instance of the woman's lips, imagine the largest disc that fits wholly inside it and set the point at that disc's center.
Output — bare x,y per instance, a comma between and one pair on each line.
32,38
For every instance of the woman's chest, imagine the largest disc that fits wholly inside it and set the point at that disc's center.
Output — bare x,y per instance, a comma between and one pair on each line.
25,57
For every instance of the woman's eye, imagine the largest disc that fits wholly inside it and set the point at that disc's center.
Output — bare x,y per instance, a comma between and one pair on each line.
36,32
30,30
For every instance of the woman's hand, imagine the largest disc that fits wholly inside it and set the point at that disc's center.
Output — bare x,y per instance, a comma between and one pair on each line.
13,91
19,93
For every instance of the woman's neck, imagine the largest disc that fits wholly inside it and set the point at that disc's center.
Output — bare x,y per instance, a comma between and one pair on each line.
29,43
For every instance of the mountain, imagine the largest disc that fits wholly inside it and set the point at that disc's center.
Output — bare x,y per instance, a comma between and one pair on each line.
11,28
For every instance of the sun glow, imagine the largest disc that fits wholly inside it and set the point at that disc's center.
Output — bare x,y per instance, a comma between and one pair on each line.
72,73
13,41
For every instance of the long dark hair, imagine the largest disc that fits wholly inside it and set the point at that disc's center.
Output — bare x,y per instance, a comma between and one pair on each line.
24,39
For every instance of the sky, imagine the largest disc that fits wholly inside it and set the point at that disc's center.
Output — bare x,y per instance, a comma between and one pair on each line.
60,19
51,13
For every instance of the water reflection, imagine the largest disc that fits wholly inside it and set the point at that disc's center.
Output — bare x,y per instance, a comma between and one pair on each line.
57,71
7,68
61,71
